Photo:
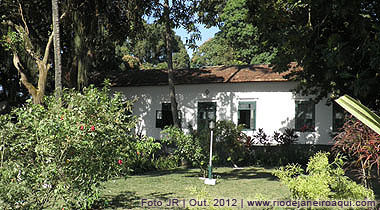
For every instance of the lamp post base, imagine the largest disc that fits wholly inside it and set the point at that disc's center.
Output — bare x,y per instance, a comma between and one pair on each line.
210,181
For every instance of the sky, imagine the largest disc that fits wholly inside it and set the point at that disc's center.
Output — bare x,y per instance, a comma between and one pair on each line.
206,34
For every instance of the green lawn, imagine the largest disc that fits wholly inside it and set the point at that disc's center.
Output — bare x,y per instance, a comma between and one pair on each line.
247,183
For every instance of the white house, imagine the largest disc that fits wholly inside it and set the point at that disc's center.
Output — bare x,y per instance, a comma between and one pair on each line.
251,95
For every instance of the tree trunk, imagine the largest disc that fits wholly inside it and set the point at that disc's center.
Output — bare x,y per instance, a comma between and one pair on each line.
170,64
81,58
57,50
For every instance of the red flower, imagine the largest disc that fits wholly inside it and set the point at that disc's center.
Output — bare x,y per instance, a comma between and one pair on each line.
120,162
92,128
304,128
138,153
81,127
61,117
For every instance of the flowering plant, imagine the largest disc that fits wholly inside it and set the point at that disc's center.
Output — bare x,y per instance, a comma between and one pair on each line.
53,156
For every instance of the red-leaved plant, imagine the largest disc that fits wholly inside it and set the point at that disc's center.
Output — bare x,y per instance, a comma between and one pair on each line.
362,146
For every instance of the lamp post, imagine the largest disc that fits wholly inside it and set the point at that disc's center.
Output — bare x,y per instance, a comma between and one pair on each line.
211,126
210,180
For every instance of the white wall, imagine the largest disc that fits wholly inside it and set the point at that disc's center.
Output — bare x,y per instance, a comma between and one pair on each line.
275,106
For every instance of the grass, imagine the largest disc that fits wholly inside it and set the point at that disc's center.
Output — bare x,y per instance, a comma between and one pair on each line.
251,183
247,183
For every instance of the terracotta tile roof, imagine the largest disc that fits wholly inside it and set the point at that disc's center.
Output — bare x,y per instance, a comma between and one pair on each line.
214,74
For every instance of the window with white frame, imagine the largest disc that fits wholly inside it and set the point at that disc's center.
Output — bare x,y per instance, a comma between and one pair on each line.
247,114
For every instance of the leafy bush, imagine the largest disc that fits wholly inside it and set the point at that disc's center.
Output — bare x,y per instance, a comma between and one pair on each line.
229,143
288,137
276,149
324,180
165,163
54,156
143,155
362,146
186,147
260,137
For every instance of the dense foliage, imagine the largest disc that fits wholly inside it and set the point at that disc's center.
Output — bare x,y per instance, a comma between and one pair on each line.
243,36
362,146
238,41
279,149
185,147
323,180
214,52
55,156
229,143
90,32
232,147
335,42
149,48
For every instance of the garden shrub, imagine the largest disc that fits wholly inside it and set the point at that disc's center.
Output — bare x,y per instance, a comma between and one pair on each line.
362,146
143,156
165,163
285,138
54,156
186,147
229,143
323,181
279,149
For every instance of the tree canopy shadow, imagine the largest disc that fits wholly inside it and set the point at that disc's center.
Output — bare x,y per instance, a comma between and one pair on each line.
160,196
125,199
252,173
168,172
129,200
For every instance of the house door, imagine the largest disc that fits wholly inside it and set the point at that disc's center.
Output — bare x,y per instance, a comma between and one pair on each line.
206,113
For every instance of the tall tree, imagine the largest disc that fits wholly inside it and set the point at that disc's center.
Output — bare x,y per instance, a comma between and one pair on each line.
242,35
94,30
150,48
175,14
335,42
25,35
57,49
19,41
214,52
168,37
36,14
181,59
236,30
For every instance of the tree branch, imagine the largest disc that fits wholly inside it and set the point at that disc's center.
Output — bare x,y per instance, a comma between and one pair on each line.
47,49
62,16
24,80
27,42
22,18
